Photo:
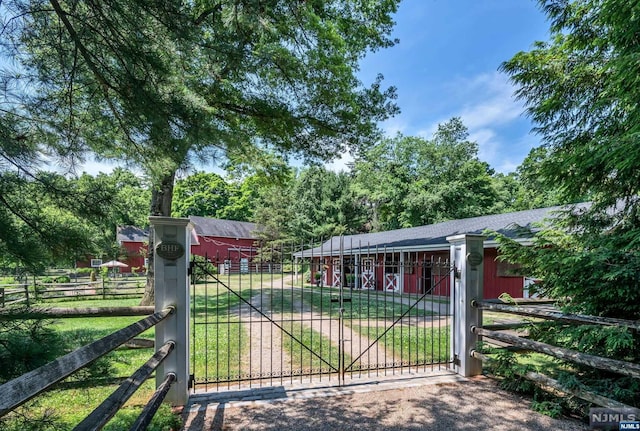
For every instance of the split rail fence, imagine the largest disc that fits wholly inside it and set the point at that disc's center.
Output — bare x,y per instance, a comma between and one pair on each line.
602,363
24,294
12,294
20,390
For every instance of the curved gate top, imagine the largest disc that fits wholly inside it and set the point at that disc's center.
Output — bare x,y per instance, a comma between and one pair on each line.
272,315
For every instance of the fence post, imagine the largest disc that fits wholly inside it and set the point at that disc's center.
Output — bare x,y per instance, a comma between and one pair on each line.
172,239
467,256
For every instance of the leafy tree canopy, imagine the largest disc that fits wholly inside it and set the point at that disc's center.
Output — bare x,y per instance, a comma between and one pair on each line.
159,84
412,181
581,91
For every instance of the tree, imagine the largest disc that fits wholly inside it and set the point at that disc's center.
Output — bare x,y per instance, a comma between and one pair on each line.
412,181
533,190
323,205
159,84
49,219
577,91
201,194
580,90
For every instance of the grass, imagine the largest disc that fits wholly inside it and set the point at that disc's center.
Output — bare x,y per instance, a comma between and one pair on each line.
414,345
74,398
326,352
363,305
221,342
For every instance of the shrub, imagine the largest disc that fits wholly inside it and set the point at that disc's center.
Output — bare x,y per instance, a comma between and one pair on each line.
62,279
84,271
26,345
202,268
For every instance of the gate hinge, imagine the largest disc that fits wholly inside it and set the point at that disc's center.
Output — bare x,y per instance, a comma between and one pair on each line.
456,360
190,269
192,379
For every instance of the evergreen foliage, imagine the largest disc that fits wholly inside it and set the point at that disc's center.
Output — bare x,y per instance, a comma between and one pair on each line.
579,90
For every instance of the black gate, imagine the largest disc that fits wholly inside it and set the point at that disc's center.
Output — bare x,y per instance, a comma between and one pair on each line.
276,316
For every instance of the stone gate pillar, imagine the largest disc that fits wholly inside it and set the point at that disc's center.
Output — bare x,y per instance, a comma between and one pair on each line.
467,256
172,245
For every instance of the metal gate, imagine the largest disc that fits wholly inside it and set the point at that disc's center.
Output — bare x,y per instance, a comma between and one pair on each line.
271,319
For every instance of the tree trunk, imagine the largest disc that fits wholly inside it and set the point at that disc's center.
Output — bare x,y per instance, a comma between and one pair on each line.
161,197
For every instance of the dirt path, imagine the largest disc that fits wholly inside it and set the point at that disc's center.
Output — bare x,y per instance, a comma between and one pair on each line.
266,356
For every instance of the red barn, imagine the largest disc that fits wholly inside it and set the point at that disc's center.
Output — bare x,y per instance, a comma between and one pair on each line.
134,242
406,260
229,244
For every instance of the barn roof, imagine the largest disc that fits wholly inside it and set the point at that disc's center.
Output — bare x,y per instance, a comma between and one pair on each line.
131,234
205,226
434,236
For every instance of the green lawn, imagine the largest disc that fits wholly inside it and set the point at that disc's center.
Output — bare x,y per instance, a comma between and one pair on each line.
413,345
325,354
73,399
362,304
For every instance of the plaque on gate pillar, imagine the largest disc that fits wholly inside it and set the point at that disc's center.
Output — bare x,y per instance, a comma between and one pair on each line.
474,258
170,250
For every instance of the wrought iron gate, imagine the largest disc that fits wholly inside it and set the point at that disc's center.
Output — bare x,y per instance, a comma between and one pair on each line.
268,316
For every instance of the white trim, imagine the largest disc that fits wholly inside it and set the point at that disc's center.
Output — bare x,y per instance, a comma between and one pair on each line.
373,250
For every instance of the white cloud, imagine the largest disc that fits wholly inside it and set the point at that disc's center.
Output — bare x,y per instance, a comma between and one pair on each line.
393,126
488,145
492,102
340,164
486,105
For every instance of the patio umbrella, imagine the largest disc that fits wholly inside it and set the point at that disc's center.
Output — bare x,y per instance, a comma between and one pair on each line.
115,264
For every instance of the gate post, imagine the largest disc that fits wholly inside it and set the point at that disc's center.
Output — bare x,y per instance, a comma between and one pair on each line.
172,239
467,256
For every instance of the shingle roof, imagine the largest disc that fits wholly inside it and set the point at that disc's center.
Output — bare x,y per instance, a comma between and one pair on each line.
131,234
432,236
205,226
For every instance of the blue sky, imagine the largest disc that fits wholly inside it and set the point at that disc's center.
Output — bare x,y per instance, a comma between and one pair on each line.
446,65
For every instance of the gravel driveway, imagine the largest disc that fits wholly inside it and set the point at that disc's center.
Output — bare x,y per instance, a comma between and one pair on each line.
442,403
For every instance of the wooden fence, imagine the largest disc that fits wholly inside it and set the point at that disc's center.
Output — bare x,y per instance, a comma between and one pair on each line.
20,390
612,365
102,288
11,294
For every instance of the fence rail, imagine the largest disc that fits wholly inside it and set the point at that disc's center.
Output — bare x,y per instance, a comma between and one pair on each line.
103,289
12,294
556,315
607,364
57,312
21,389
109,407
557,386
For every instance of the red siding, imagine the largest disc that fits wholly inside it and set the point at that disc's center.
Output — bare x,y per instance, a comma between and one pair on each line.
495,285
219,249
135,254
415,277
